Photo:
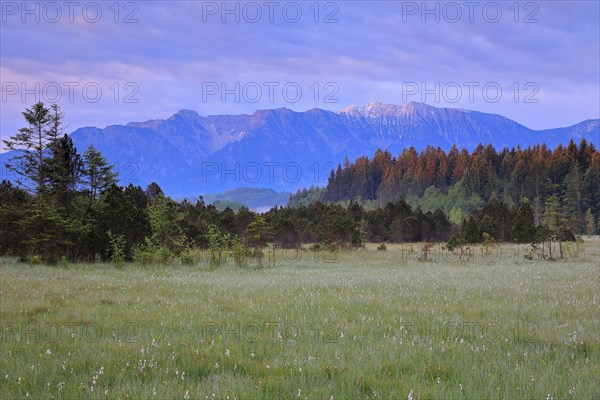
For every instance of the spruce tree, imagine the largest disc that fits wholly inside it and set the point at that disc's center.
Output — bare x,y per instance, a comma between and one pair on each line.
97,174
63,169
524,223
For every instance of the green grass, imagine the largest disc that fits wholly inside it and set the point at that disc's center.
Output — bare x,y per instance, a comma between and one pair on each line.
370,324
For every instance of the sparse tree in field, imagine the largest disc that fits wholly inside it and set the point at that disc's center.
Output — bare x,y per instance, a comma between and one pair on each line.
240,252
97,173
555,220
425,247
258,232
44,127
217,244
590,226
257,235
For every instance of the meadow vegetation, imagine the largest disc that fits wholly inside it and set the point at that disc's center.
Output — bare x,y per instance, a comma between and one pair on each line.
348,324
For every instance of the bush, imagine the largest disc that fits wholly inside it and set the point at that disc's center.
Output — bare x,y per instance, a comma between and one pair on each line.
148,253
117,246
382,247
218,243
63,262
190,257
34,260
240,253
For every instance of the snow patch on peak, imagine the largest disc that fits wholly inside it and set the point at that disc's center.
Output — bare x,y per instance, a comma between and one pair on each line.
348,110
377,109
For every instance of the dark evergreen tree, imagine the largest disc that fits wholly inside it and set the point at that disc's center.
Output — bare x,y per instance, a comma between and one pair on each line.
63,170
524,225
97,173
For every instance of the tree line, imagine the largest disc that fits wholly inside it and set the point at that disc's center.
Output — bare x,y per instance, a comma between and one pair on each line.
68,206
459,182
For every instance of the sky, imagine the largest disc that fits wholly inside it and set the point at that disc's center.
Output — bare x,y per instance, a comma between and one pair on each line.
104,63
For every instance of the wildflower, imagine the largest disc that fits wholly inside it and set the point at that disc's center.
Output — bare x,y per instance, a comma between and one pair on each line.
410,395
187,394
299,392
227,352
48,352
60,386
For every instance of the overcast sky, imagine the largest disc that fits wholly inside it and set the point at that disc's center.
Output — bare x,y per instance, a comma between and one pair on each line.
534,62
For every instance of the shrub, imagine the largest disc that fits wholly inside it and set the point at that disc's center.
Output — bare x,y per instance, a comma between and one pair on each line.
34,260
117,245
382,247
148,253
240,253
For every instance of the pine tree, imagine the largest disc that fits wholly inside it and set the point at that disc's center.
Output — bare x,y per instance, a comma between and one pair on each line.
44,126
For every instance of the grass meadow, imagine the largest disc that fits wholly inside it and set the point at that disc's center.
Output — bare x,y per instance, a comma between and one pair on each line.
361,324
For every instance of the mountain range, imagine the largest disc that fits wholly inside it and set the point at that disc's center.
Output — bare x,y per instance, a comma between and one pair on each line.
188,154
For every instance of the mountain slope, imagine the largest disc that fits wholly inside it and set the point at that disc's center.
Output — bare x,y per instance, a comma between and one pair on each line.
188,154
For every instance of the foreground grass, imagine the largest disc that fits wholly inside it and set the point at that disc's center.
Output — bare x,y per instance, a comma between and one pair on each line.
365,324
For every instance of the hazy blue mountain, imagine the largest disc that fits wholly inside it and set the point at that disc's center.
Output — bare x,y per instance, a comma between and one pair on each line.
253,198
188,154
